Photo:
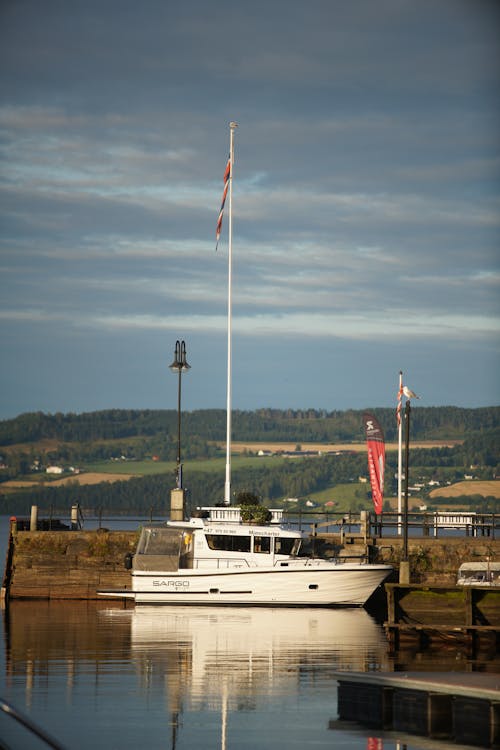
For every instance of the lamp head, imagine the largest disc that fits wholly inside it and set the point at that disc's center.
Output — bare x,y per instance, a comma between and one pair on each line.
180,363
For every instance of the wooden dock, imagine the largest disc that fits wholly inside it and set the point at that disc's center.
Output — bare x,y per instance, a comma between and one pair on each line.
457,707
468,614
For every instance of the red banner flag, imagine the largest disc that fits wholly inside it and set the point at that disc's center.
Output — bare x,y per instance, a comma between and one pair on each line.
376,459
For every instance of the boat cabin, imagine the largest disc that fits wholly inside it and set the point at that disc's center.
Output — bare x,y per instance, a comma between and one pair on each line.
199,543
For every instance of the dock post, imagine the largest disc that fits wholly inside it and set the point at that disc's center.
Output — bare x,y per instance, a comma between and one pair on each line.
363,525
34,518
177,498
404,571
74,517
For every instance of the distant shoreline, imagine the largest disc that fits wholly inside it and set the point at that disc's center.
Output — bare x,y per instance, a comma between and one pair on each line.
276,447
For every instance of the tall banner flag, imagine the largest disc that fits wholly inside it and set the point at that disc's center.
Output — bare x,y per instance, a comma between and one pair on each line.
376,459
227,175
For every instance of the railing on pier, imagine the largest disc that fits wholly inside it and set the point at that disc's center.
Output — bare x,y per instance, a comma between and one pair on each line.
391,524
435,523
387,524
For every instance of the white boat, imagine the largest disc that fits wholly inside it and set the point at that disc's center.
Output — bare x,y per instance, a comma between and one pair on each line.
202,561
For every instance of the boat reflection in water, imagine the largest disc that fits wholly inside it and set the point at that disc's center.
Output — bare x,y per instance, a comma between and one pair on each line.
243,659
255,649
184,676
189,676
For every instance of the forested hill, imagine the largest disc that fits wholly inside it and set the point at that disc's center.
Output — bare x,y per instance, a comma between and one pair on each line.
446,422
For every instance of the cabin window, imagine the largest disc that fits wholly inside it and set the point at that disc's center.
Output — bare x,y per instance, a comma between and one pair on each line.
262,544
286,546
228,542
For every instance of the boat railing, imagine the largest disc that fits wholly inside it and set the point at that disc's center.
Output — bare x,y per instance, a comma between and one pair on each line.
221,563
21,731
230,514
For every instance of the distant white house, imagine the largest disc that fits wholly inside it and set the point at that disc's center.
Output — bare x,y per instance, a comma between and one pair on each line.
54,470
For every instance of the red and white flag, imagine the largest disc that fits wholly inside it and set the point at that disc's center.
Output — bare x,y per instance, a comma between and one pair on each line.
376,459
227,174
398,408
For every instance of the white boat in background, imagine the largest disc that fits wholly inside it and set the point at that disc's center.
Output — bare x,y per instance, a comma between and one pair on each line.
204,561
479,574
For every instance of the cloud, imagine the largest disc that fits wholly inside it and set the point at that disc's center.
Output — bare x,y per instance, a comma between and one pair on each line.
366,201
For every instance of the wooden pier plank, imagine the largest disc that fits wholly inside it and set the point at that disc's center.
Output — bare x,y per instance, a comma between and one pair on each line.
464,707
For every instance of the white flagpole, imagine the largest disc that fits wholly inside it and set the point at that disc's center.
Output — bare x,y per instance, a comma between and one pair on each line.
227,486
400,448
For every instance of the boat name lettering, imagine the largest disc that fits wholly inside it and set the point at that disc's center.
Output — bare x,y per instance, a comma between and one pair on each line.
175,584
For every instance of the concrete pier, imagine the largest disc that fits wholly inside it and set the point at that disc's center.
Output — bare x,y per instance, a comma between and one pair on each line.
73,563
66,564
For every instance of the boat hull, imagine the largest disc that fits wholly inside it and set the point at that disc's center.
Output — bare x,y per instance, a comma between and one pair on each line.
339,585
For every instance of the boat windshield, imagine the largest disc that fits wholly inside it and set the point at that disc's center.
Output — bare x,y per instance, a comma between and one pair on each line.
158,541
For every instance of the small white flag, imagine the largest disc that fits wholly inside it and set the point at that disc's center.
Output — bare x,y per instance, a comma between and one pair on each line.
409,393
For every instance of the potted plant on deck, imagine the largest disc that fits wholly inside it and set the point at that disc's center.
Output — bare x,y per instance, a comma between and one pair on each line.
251,511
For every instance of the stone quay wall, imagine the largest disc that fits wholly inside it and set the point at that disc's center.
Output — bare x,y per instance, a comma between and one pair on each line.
76,564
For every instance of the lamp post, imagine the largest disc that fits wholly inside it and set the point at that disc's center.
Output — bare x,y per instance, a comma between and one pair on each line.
179,365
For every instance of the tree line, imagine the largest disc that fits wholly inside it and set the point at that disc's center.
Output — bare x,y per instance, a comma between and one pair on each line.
275,425
139,434
294,478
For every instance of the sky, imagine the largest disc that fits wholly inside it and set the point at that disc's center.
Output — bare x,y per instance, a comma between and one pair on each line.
366,221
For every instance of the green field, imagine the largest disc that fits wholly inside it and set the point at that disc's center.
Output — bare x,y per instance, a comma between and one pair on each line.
146,468
345,496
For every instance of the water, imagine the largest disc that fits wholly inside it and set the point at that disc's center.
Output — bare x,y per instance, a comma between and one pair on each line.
97,675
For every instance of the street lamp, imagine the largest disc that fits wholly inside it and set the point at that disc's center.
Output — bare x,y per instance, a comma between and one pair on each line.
179,365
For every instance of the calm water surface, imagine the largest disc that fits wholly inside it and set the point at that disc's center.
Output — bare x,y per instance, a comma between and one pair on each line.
96,675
